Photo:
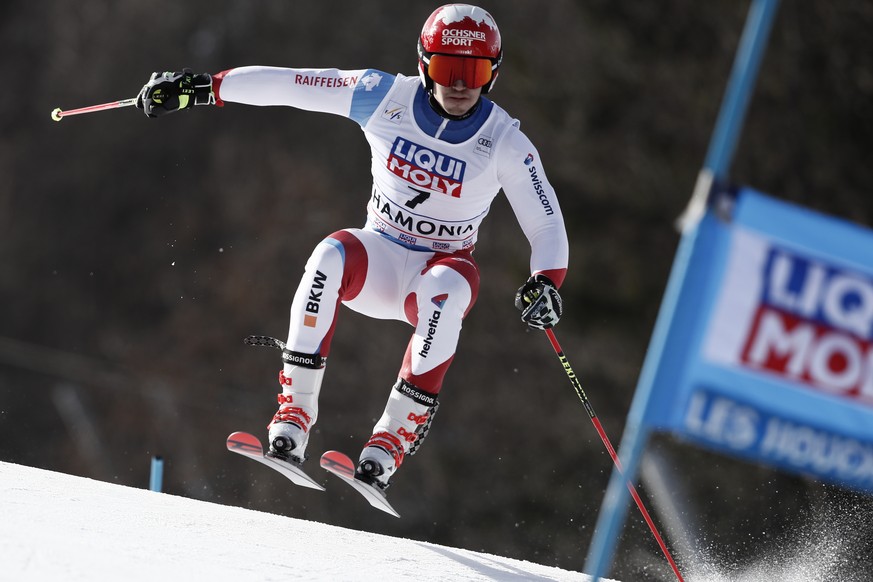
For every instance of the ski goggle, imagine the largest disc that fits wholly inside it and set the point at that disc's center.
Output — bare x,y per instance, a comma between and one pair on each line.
446,69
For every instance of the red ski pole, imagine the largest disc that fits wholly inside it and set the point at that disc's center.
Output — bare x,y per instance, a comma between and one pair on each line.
577,385
58,114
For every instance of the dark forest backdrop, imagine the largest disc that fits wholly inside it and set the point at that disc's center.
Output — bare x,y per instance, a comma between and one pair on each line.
137,253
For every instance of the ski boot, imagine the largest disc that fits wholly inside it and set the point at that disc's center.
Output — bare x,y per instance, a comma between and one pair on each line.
400,431
290,427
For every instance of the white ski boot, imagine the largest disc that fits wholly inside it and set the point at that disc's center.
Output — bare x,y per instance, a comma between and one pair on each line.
298,410
401,428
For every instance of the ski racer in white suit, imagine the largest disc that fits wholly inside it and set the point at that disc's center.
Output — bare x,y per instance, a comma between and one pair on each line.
441,152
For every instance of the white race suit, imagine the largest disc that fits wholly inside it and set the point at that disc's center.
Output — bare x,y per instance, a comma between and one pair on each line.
433,182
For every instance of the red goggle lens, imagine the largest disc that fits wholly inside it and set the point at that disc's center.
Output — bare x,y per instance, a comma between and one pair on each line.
446,69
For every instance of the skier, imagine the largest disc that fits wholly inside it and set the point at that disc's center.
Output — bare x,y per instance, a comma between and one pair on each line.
441,152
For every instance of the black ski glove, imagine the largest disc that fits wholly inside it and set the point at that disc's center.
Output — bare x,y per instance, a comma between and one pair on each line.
168,92
539,302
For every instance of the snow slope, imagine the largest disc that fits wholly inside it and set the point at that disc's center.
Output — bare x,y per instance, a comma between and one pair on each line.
56,527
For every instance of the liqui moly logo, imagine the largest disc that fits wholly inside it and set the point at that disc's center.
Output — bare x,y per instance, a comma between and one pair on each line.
426,168
813,325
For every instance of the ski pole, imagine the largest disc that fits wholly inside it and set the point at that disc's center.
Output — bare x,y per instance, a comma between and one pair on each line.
577,385
58,114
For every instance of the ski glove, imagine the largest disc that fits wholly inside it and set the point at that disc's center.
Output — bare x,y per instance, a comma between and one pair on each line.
539,302
169,92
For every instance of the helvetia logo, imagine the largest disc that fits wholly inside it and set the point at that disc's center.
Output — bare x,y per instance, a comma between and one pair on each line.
432,324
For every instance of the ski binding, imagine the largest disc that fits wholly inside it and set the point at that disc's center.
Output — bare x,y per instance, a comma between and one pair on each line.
342,466
248,445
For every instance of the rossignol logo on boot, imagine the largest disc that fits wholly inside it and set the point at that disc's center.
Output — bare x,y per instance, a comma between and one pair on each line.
426,168
313,361
431,332
416,394
313,302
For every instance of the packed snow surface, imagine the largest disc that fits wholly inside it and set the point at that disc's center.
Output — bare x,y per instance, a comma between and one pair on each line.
56,527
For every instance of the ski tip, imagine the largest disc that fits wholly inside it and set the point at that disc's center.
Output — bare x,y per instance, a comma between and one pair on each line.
336,455
240,440
241,435
339,463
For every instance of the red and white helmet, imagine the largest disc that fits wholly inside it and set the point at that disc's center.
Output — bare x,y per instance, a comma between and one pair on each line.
459,41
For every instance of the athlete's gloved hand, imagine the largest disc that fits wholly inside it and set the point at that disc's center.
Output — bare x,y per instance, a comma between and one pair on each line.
539,302
168,92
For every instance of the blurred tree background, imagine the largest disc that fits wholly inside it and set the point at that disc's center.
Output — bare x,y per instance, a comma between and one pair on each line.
136,254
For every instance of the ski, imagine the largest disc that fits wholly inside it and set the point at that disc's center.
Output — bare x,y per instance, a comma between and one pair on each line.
248,445
342,466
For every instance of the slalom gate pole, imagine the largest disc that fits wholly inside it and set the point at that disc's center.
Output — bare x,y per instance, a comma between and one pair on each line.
58,114
577,385
156,477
